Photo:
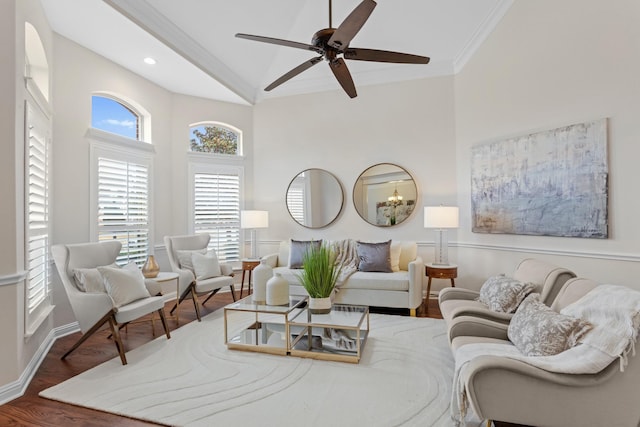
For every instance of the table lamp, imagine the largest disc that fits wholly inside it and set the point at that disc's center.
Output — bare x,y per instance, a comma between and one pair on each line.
441,218
253,220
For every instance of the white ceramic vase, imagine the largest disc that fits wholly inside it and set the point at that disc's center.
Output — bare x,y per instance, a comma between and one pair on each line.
277,290
261,274
320,305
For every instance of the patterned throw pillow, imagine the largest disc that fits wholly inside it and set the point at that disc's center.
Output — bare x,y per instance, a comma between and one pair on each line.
504,294
536,330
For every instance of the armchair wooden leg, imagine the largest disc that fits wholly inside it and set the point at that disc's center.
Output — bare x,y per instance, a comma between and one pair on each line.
163,319
195,303
115,331
215,291
87,334
489,423
233,294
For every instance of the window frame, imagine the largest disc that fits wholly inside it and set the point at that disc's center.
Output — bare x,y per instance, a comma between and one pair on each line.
37,110
144,118
104,144
210,163
240,151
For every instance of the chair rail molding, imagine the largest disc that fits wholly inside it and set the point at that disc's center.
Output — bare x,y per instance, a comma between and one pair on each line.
12,279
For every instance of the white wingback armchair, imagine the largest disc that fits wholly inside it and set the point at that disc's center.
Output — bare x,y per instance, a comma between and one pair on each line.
187,281
93,309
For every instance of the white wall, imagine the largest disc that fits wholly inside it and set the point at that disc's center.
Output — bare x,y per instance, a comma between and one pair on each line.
410,124
550,64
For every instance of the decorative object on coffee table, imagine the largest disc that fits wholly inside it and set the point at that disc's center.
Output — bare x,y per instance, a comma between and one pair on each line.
261,274
319,277
277,290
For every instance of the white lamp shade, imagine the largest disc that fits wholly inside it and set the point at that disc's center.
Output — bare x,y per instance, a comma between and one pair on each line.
441,217
254,219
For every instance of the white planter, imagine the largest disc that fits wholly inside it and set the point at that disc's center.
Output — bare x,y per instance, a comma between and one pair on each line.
320,305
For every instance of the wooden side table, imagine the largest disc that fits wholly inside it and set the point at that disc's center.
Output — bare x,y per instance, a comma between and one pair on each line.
247,266
436,271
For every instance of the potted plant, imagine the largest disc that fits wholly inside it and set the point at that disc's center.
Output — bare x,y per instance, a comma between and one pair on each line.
319,277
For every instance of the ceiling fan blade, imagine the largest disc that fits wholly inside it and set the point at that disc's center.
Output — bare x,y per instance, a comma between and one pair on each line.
340,70
384,56
351,25
280,42
291,74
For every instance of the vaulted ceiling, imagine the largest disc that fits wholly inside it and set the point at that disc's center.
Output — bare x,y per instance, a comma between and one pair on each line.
197,53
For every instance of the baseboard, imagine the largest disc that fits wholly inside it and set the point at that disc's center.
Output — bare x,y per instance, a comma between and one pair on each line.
15,389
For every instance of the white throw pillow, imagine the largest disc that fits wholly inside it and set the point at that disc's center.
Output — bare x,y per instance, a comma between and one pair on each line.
184,258
206,266
124,285
90,279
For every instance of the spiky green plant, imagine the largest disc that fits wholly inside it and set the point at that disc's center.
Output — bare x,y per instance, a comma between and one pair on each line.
319,273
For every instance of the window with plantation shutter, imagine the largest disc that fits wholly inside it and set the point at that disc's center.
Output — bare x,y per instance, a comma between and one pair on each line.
296,199
123,207
216,210
37,213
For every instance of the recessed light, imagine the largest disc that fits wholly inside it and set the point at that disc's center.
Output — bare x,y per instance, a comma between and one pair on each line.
150,61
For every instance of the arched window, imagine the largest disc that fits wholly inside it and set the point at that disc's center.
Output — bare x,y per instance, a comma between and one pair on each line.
116,117
121,175
215,138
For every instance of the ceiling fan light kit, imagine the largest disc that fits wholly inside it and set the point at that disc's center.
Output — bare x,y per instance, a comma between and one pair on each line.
330,43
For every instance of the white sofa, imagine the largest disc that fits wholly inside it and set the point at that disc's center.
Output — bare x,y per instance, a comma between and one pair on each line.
402,289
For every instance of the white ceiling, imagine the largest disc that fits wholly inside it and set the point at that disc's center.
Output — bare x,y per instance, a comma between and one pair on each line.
197,53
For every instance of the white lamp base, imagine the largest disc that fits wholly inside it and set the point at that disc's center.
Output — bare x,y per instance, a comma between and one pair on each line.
441,248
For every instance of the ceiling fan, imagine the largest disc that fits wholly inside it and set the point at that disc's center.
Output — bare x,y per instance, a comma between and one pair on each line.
332,42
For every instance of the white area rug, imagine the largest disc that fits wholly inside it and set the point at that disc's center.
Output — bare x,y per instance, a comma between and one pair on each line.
403,379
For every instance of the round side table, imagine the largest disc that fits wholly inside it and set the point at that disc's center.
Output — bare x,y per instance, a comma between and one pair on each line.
439,271
247,266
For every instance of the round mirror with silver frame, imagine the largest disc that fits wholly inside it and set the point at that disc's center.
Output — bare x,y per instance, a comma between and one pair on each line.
385,195
315,198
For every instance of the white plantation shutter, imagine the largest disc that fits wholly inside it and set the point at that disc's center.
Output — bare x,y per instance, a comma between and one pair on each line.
216,210
123,207
295,201
37,199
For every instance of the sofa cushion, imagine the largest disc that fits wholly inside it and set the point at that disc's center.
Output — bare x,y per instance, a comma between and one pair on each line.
298,249
504,294
374,256
380,281
536,330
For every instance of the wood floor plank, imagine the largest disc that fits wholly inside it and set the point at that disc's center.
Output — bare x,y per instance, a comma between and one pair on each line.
30,410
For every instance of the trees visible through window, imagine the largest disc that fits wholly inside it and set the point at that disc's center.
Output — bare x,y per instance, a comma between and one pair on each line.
115,117
215,139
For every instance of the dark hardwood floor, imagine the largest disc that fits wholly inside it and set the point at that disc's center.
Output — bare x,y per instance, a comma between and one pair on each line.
32,410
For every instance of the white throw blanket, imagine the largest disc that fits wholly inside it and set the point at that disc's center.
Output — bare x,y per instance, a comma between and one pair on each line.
614,312
346,258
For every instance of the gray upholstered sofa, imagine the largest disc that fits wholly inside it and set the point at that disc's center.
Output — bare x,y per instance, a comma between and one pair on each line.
508,389
401,289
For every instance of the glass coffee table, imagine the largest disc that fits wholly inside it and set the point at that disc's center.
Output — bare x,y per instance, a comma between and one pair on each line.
339,335
260,327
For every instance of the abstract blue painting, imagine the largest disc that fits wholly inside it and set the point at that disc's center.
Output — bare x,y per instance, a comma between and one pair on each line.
549,183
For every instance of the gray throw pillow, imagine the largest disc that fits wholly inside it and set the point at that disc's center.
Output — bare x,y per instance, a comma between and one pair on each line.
299,248
536,330
374,256
504,294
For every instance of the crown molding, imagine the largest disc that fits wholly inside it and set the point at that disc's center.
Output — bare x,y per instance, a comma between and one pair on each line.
484,29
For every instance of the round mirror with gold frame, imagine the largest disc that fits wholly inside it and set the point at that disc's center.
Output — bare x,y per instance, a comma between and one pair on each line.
385,195
315,198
